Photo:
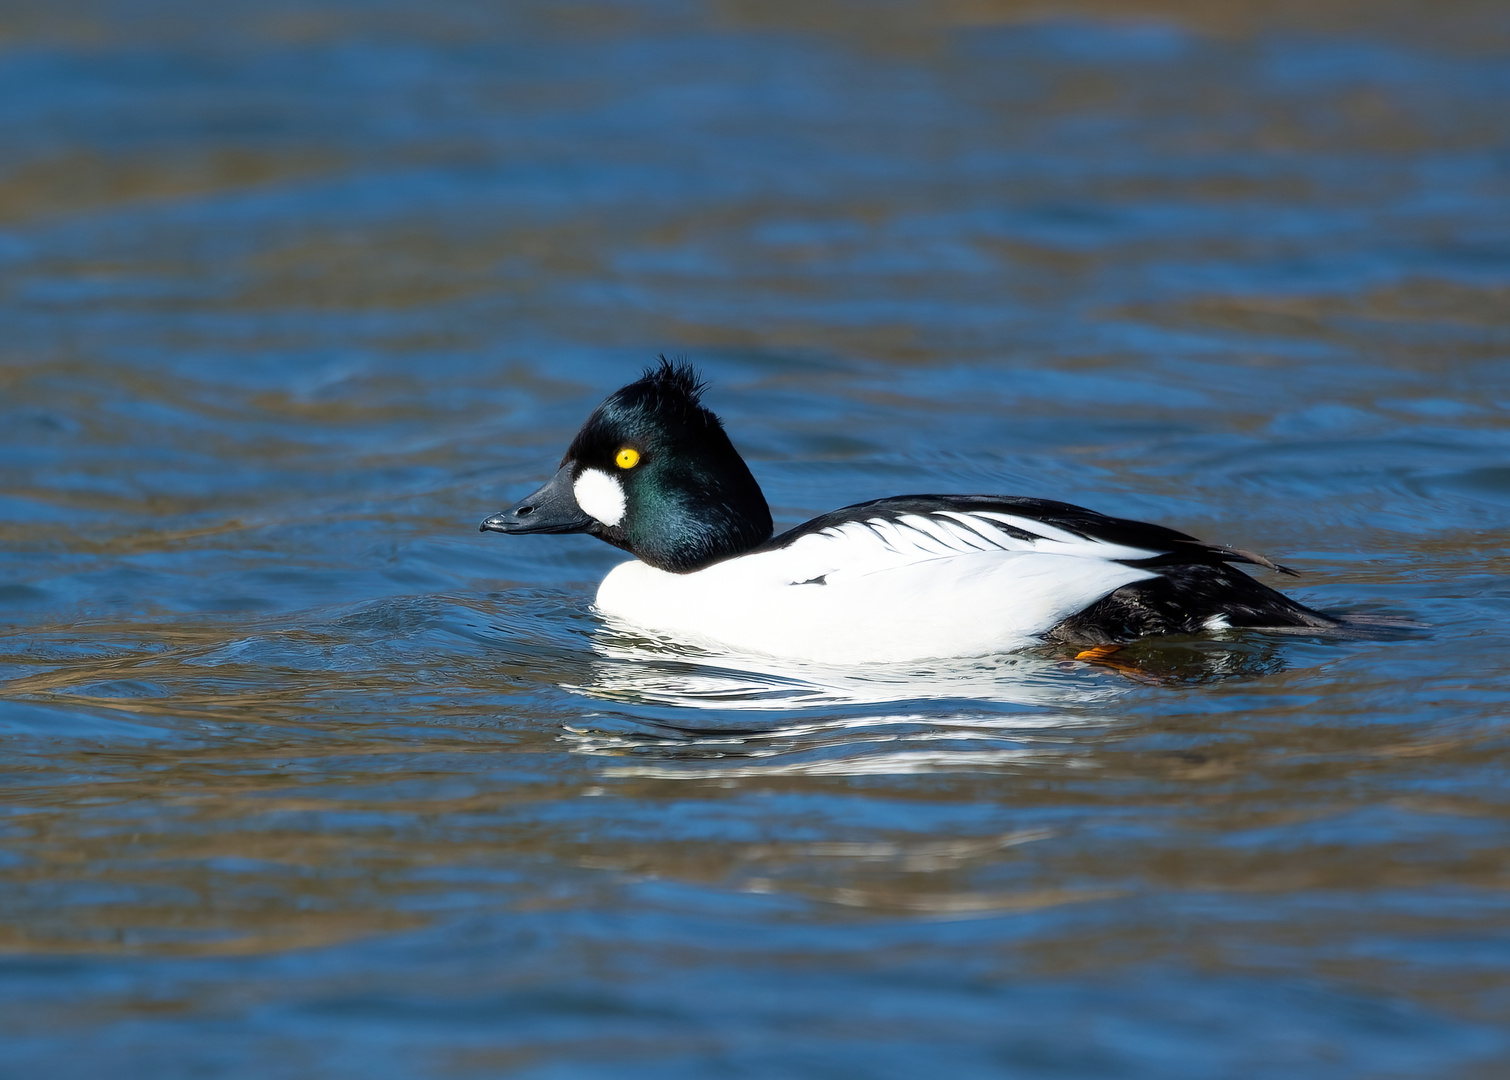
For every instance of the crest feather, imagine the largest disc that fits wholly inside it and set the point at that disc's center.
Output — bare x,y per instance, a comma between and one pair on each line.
669,390
677,377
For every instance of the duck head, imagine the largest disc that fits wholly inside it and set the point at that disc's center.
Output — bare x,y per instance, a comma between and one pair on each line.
652,472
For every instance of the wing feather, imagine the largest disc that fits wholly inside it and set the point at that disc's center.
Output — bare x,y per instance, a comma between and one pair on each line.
950,536
916,527
923,537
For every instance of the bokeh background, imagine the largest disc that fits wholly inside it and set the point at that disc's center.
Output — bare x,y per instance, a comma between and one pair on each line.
302,777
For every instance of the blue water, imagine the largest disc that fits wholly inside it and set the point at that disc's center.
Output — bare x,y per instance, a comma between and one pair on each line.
304,777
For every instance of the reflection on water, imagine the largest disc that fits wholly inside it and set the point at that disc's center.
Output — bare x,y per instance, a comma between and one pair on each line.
636,669
647,670
301,776
876,745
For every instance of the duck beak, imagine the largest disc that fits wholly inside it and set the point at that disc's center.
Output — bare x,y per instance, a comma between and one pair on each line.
552,509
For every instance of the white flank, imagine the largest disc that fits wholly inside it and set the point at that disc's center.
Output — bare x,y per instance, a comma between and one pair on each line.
925,586
600,495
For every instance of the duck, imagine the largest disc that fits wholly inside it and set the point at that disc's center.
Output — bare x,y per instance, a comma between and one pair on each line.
902,579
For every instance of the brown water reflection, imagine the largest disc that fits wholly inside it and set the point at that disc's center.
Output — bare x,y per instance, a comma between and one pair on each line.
288,815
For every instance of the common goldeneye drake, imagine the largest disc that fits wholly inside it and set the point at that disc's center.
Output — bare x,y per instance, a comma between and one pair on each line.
906,578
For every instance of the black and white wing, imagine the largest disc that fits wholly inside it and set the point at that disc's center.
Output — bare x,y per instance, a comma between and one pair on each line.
911,527
1182,584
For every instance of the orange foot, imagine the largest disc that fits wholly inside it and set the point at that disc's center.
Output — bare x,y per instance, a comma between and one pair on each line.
1098,652
1104,655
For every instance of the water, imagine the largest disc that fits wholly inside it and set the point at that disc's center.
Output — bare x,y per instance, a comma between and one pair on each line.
303,777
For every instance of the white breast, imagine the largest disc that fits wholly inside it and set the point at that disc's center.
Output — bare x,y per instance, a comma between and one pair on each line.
922,586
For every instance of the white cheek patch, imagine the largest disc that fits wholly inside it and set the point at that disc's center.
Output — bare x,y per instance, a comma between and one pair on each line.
600,495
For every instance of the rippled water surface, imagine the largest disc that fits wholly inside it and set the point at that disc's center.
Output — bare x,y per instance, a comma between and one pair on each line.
304,777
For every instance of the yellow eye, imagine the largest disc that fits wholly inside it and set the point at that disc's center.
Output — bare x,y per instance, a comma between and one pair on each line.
627,458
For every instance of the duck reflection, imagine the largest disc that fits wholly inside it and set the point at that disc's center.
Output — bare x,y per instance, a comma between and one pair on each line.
889,745
694,714
635,669
631,668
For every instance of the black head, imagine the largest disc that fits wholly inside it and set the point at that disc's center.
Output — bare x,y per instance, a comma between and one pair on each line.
652,472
